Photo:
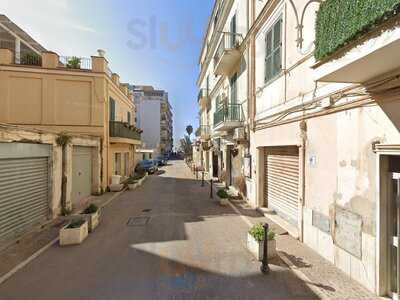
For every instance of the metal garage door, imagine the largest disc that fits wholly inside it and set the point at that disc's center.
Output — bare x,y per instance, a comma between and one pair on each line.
282,181
24,190
81,174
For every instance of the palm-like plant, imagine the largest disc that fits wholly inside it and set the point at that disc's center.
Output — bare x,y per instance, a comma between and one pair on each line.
189,130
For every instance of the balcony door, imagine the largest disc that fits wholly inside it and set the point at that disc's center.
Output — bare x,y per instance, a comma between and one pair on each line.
112,110
233,30
233,110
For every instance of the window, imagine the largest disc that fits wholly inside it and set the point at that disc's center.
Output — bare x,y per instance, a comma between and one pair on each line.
233,32
117,164
112,109
129,117
273,51
126,164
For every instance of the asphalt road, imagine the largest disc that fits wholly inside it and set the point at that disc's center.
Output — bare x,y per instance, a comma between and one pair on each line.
183,246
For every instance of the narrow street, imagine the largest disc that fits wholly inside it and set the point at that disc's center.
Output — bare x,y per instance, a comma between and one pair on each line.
184,246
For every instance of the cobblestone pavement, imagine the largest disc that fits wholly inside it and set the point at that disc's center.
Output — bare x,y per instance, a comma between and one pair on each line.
165,240
330,281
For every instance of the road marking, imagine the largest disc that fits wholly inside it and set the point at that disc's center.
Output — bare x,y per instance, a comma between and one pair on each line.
40,251
27,261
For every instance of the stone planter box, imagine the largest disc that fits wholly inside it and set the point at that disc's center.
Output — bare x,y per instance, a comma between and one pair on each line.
93,220
223,201
257,248
116,187
73,236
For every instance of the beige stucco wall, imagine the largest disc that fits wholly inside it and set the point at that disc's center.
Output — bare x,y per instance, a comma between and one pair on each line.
72,101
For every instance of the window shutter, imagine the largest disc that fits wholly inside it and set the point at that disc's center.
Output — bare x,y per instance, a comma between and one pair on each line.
112,109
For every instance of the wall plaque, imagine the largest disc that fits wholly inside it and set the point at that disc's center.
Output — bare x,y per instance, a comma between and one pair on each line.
321,221
348,227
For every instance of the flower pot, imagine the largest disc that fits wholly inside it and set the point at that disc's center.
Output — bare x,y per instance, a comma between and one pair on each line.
116,187
93,220
116,179
223,202
257,248
73,236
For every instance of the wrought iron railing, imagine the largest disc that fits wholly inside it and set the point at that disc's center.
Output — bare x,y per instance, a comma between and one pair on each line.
75,62
123,130
203,93
229,41
228,113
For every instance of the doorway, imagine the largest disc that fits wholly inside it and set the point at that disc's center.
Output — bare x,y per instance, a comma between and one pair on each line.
215,164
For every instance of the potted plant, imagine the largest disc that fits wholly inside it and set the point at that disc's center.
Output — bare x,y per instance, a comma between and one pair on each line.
256,239
74,233
92,214
223,197
74,63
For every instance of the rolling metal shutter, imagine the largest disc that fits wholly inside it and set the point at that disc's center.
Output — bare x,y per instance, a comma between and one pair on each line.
24,186
282,181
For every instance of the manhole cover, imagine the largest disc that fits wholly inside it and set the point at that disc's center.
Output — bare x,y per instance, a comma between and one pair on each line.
138,221
146,210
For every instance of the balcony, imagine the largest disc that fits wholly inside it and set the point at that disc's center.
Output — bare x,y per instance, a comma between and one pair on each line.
203,98
354,43
228,54
204,131
121,132
228,116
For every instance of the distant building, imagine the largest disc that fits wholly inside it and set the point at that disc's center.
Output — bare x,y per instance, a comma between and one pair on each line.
154,117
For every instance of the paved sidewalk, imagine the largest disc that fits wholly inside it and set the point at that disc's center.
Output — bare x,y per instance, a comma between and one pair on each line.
331,282
21,249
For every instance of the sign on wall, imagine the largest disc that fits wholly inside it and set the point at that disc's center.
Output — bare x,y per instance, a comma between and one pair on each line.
347,235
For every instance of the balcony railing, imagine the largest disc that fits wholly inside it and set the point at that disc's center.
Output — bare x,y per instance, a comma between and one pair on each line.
123,130
228,113
229,41
75,62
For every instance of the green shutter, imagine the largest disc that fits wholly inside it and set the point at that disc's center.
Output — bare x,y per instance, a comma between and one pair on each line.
273,51
112,109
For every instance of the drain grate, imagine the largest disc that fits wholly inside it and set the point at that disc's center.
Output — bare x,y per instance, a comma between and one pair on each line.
138,221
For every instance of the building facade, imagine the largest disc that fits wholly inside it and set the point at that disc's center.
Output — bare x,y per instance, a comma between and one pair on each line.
322,127
154,116
69,96
223,94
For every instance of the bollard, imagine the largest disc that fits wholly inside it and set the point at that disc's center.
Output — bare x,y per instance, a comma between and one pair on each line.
211,188
202,178
264,266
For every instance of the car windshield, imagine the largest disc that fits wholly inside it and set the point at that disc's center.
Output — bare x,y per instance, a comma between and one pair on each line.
146,162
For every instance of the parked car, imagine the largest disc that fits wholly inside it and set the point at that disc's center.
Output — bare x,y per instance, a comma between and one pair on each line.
160,161
148,166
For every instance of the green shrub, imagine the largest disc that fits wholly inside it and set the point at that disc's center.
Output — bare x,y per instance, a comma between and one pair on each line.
340,22
31,58
91,209
222,194
257,232
74,63
76,223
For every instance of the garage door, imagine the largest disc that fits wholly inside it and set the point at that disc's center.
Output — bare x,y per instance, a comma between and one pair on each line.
282,181
81,175
24,189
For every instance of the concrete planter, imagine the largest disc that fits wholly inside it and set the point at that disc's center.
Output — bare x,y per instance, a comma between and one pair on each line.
73,236
223,201
116,187
257,248
93,220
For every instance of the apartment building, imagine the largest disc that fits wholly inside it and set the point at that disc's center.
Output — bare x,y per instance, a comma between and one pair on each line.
223,93
154,116
323,128
70,97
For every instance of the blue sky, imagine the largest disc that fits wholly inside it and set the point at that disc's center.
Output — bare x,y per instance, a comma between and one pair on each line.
154,42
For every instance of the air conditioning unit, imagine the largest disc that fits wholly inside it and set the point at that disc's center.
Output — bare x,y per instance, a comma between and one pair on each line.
239,134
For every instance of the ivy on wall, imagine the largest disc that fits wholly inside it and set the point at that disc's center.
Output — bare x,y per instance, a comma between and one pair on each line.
340,22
